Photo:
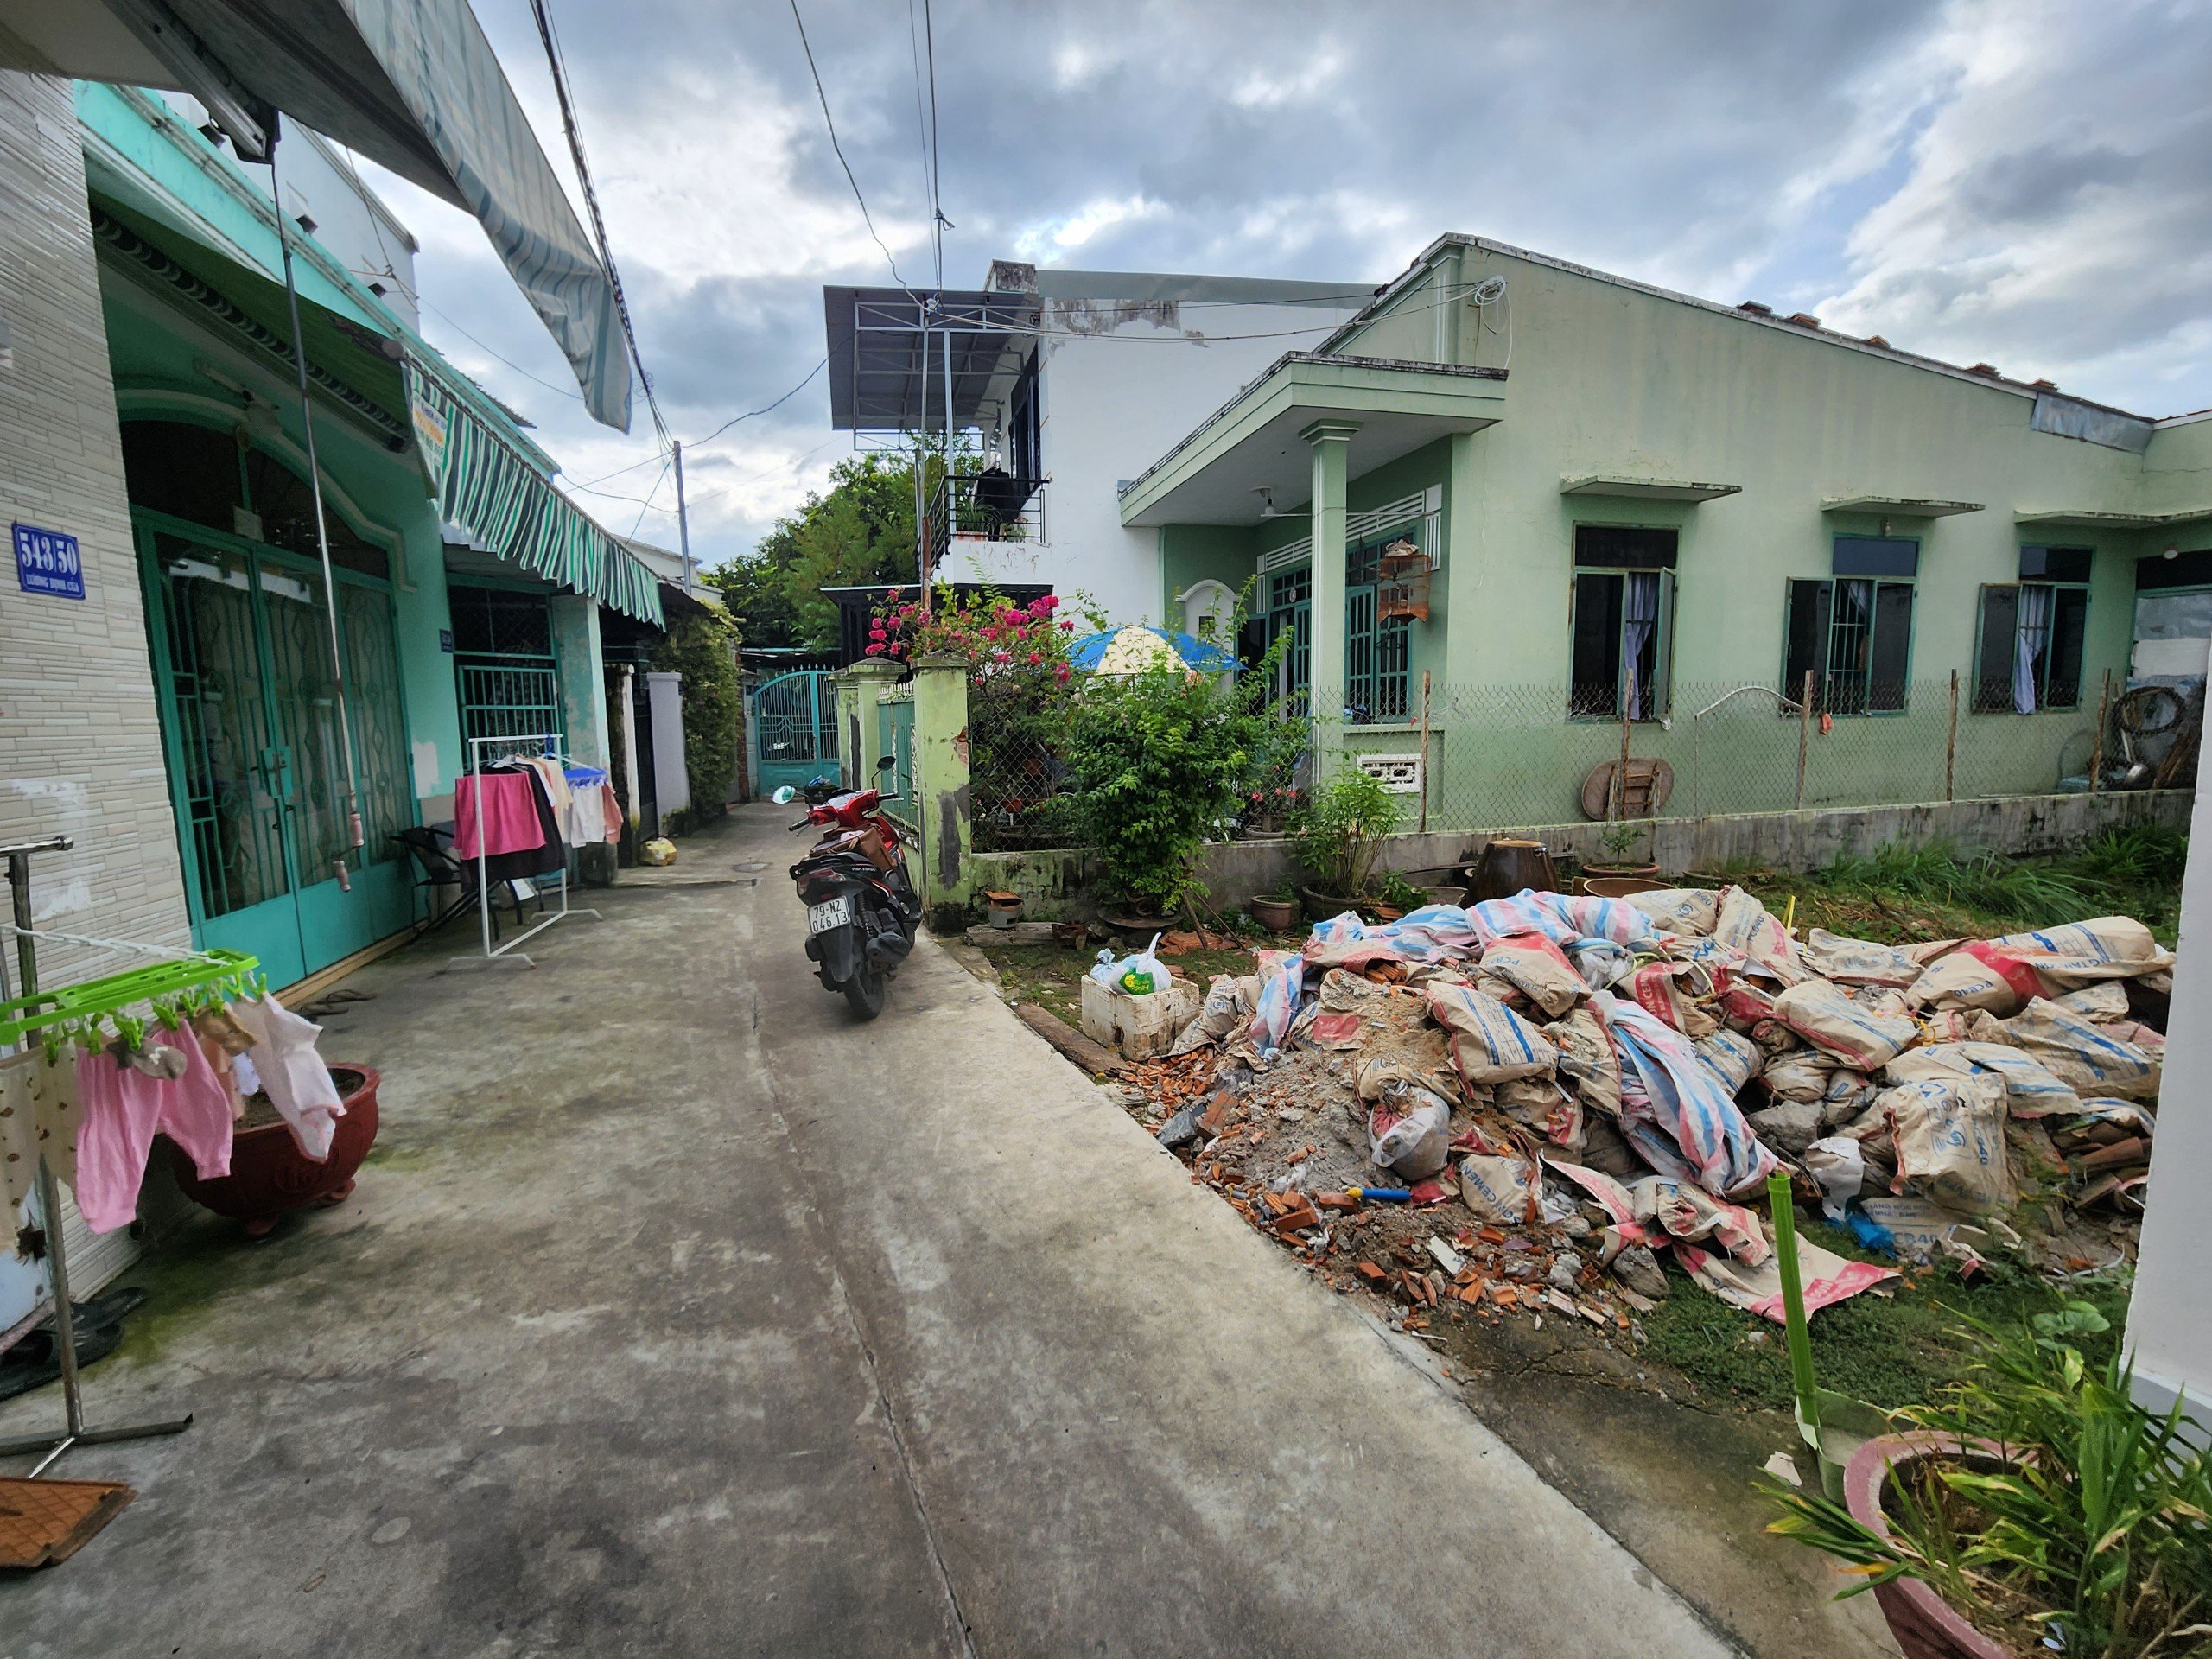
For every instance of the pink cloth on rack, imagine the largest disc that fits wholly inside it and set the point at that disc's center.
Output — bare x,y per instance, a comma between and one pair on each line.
123,1109
509,814
612,805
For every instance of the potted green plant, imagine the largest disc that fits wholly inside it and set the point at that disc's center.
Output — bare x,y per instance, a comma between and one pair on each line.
2035,1504
1394,895
1339,834
1621,870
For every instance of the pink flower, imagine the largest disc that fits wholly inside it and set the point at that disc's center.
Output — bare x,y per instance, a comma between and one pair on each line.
1044,602
874,650
1035,658
990,633
1068,626
1001,656
1061,673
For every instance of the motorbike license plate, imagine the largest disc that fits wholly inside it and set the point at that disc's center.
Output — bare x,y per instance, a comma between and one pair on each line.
830,913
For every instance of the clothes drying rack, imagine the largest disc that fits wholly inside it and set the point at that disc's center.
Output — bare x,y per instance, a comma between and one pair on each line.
547,744
74,1432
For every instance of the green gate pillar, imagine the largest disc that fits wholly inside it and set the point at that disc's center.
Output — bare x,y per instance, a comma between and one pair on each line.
1332,442
857,688
941,785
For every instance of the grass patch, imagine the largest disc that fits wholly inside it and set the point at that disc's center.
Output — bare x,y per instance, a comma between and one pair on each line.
1901,893
1888,1351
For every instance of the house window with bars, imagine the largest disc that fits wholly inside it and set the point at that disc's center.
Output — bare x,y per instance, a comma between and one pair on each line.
1621,625
2032,633
1854,633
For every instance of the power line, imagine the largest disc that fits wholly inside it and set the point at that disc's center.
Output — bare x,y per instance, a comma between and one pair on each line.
648,503
565,392
829,122
937,149
702,443
560,71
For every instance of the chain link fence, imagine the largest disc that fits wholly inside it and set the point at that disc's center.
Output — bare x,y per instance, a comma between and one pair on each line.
1020,790
1500,755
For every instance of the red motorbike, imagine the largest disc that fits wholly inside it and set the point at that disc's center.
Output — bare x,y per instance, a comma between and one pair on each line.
861,908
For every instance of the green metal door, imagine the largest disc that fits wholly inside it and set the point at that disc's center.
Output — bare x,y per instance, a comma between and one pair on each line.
255,758
795,724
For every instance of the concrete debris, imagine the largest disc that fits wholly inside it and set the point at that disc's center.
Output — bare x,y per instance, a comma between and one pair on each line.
1522,1105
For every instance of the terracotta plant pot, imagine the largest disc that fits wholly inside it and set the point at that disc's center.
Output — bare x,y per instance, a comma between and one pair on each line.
1319,906
1922,1622
270,1175
1609,882
1276,915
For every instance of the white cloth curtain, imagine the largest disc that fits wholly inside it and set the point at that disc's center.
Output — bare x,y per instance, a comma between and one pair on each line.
1639,616
2028,648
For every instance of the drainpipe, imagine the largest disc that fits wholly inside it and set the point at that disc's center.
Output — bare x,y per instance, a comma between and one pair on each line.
355,835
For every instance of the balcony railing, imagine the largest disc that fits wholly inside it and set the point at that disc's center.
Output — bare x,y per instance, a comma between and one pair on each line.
987,506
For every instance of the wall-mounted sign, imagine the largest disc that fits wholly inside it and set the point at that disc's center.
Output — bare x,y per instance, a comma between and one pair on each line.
48,561
445,640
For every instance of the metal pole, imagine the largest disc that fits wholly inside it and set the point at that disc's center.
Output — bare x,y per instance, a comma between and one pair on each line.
1804,735
921,517
49,1202
682,518
356,834
1620,777
1424,751
1951,743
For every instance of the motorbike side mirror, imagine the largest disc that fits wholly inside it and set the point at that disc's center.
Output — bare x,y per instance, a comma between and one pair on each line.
784,795
887,763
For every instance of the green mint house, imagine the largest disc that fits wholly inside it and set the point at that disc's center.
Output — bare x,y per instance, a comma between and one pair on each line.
1517,516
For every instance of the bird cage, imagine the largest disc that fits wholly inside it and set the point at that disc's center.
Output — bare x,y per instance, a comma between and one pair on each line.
1401,574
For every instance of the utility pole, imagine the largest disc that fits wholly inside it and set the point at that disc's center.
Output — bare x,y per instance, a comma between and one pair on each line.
683,518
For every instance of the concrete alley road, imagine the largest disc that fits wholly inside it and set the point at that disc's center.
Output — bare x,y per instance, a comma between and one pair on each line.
678,1314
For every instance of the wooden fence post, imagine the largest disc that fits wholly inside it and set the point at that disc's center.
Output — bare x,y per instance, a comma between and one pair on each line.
2097,750
1951,743
1804,734
1620,774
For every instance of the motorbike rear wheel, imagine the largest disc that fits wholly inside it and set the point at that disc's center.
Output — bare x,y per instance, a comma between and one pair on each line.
864,993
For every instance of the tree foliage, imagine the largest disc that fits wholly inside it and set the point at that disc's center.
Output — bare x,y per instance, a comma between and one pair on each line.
859,532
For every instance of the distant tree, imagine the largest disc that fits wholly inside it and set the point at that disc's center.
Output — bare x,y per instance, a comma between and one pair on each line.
859,532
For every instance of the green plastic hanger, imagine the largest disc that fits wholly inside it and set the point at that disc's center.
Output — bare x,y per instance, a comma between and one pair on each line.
20,1016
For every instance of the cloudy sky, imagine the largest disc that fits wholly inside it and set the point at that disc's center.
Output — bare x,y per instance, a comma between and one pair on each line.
2028,184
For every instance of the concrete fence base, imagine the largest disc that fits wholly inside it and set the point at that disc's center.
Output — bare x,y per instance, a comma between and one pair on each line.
1057,882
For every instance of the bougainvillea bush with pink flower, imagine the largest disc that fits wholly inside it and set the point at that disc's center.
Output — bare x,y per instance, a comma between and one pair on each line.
1020,694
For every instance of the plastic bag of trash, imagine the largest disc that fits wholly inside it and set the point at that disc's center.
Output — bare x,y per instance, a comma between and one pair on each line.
1745,927
1829,1020
1838,1164
1409,1132
1949,1134
2105,947
658,851
1539,969
1139,974
1732,1058
1502,1190
1857,962
1490,1042
1588,1061
2087,1057
1692,910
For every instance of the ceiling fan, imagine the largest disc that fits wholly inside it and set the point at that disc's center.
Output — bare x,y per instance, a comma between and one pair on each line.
1267,508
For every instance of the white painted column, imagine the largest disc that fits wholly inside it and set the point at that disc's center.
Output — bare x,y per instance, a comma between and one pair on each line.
2169,1317
1332,442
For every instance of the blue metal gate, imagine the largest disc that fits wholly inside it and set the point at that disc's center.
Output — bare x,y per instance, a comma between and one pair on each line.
795,724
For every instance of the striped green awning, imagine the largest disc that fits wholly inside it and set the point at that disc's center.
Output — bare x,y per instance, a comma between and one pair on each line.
492,489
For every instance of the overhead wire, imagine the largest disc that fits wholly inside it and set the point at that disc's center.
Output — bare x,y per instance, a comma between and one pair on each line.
937,220
829,121
558,67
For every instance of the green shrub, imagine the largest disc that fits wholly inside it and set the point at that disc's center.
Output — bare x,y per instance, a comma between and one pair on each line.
1339,830
702,649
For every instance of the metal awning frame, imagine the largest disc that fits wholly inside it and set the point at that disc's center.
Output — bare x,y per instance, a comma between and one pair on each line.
887,377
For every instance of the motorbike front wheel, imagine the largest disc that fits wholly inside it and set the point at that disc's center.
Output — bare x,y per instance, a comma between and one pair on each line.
864,993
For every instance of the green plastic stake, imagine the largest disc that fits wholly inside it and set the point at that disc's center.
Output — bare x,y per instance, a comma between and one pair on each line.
1793,1310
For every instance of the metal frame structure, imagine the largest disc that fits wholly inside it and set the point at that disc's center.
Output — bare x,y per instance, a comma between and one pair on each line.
547,744
73,1431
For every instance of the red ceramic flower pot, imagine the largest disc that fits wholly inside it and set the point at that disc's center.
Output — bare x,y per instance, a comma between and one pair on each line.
270,1175
1923,1623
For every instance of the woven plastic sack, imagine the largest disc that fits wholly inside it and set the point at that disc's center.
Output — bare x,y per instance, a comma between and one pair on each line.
1831,1021
1857,962
1490,1042
1677,1114
1692,910
2101,1002
1223,1012
1732,1058
1500,1190
2105,947
1586,1061
1802,1075
1746,928
1676,994
2031,1087
2088,1057
1962,980
1410,1133
1949,1141
1538,969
